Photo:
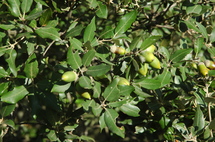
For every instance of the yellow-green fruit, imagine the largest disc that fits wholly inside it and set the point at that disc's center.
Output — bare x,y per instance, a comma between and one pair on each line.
149,56
203,69
69,76
210,64
86,95
194,65
155,63
151,49
120,51
144,69
123,81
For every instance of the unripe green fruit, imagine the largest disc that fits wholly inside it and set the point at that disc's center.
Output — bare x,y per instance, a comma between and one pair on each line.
69,76
210,64
118,50
149,56
86,95
123,81
155,63
151,49
203,69
144,69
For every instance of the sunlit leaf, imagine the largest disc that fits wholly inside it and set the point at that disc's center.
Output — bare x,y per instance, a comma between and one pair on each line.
85,82
89,32
14,7
96,89
180,54
15,95
149,41
3,73
149,83
130,110
111,92
199,120
26,5
60,87
73,59
87,58
194,9
110,116
125,22
98,70
48,32
102,10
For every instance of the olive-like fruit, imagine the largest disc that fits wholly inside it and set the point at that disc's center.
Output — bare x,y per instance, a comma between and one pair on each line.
203,69
210,64
155,63
86,95
148,56
143,69
123,81
118,50
151,48
69,76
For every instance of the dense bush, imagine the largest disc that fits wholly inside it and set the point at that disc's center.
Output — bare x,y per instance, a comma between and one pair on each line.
141,70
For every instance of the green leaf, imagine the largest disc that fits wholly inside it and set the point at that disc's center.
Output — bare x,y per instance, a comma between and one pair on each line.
7,109
135,42
149,83
180,54
73,59
14,7
26,6
7,26
9,123
199,120
60,88
48,32
87,58
130,110
98,70
191,24
165,77
3,87
74,31
198,45
107,33
15,95
31,67
89,32
203,30
45,17
111,92
110,116
102,10
3,73
102,121
149,41
125,22
11,61
138,90
76,44
96,89
194,9
85,82
92,3
52,136
125,90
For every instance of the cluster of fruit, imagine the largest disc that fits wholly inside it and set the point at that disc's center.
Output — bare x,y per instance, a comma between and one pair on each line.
147,58
205,66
